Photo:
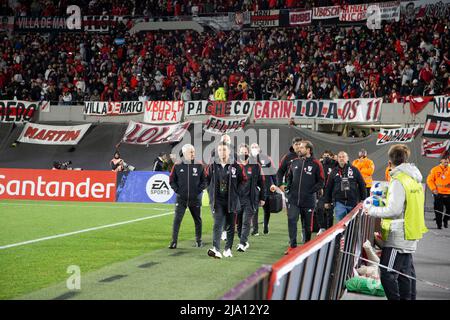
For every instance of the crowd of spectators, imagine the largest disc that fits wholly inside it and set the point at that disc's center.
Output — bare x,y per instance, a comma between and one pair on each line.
39,8
398,60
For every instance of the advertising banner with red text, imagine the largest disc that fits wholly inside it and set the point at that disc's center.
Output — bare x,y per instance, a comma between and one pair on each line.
54,135
60,185
300,18
145,134
163,111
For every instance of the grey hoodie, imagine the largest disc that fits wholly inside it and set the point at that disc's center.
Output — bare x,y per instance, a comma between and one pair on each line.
396,210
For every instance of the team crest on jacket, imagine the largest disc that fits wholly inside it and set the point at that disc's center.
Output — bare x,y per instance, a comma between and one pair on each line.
194,170
309,168
233,171
249,170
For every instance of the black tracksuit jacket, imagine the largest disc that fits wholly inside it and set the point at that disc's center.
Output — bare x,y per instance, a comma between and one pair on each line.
235,178
285,163
351,197
188,180
253,188
304,179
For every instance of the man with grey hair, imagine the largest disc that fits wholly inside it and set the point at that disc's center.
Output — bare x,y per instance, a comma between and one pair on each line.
345,187
188,179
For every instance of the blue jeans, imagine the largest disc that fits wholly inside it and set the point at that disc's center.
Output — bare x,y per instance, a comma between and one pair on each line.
341,210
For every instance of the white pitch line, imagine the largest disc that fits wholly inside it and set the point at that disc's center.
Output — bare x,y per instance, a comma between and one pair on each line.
82,231
76,206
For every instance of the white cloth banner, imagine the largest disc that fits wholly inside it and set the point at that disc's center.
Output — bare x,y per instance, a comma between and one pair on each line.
105,108
54,135
218,108
400,135
441,106
145,134
163,111
339,110
389,11
224,125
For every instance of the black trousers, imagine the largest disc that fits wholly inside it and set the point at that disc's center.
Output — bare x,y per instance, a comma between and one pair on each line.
325,217
180,209
244,218
397,287
441,201
307,216
223,219
266,210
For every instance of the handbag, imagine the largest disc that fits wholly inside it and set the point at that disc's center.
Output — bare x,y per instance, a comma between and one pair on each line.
275,202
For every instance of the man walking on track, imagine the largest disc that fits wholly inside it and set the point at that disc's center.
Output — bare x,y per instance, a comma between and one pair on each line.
305,178
188,179
225,177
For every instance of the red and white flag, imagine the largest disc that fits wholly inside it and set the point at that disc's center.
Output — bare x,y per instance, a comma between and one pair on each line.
416,104
431,149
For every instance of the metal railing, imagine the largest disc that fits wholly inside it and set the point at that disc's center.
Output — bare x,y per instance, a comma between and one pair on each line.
315,271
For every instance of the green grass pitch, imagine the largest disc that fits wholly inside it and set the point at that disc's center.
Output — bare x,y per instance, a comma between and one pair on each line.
134,255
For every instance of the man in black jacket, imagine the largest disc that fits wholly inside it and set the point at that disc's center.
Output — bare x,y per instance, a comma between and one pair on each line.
286,162
325,216
345,187
270,175
188,179
158,164
305,178
225,177
252,195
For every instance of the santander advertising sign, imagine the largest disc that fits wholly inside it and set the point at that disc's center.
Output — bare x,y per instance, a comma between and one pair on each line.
63,185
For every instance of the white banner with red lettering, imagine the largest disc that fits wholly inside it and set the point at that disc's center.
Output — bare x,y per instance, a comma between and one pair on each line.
163,111
54,135
320,13
17,111
399,135
388,11
300,18
145,134
105,108
339,111
218,108
415,9
224,125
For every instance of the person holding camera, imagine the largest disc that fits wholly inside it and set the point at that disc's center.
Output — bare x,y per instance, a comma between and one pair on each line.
188,180
345,187
117,162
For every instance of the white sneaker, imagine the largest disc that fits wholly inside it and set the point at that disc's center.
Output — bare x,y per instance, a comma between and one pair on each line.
214,253
227,253
242,248
224,235
321,230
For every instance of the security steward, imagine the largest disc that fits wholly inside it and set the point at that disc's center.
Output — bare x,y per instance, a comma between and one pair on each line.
366,167
439,183
188,180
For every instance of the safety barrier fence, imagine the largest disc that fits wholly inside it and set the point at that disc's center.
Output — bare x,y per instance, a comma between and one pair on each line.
314,271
